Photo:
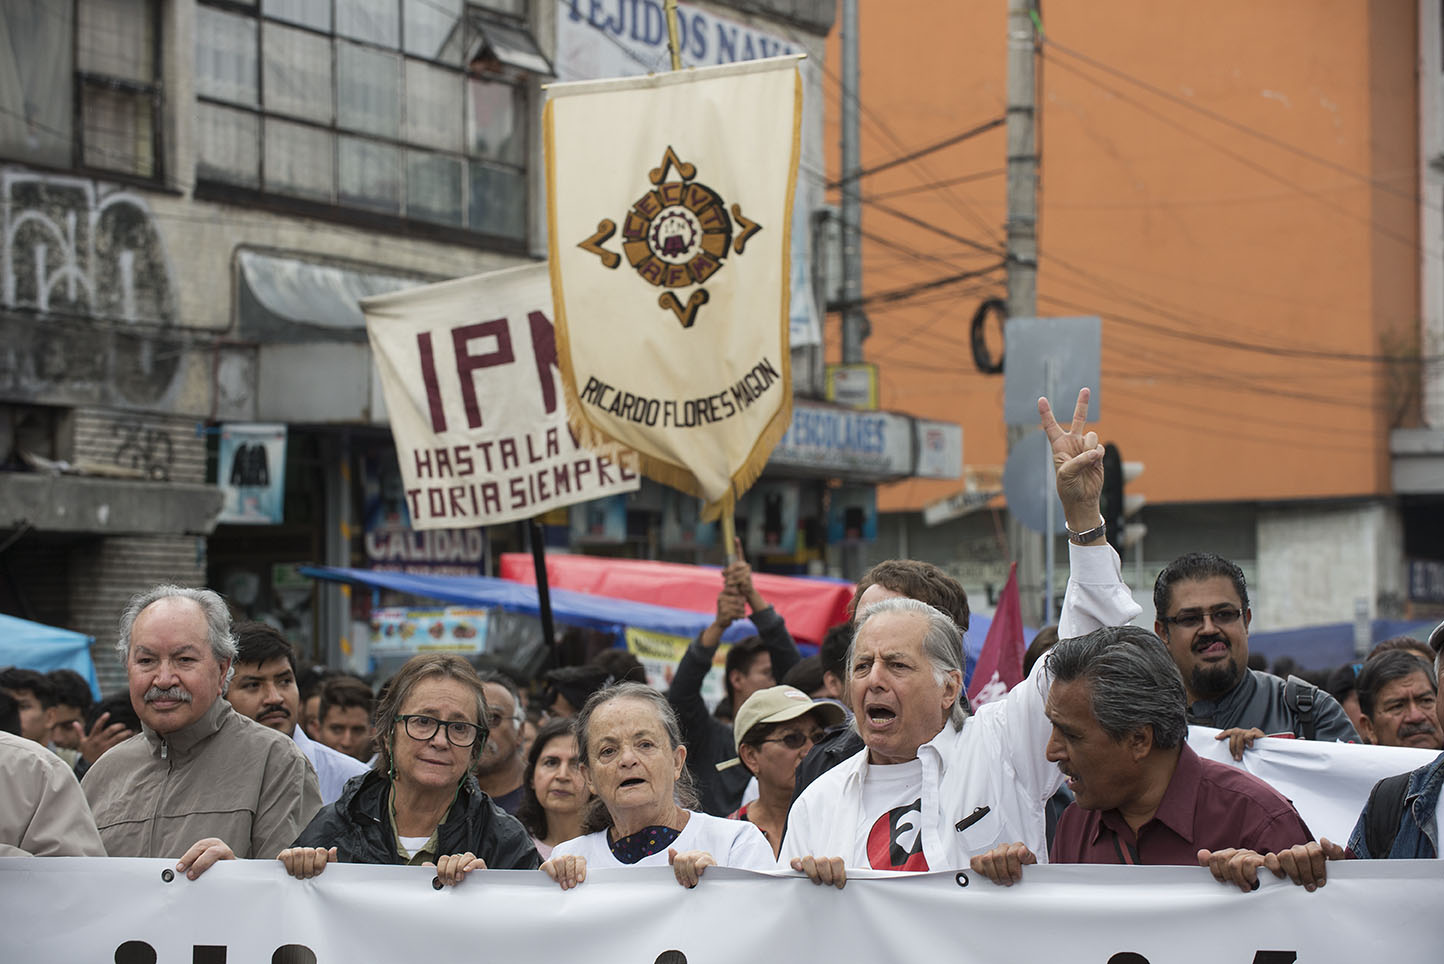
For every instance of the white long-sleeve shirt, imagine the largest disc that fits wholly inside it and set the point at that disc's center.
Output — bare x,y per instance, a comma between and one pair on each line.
998,760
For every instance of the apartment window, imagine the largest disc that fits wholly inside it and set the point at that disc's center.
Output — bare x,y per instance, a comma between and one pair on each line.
415,109
85,89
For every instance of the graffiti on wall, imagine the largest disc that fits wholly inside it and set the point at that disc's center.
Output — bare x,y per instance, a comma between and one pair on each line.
149,450
75,250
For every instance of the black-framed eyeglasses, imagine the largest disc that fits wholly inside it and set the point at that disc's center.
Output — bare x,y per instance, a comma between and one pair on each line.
1194,620
794,740
423,728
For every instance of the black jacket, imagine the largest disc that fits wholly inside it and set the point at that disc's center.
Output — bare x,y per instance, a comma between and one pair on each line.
709,740
358,825
1259,700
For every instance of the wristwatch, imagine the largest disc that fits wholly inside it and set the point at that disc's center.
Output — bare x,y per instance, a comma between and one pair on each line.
1083,538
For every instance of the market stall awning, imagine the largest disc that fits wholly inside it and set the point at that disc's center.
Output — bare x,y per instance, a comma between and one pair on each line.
43,648
572,608
810,606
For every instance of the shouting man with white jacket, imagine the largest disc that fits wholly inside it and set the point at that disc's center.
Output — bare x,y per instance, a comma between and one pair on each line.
934,786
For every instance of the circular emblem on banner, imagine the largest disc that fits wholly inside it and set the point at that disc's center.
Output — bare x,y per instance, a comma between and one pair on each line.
677,234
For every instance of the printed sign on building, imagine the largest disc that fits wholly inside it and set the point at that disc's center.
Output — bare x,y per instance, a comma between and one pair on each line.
469,370
251,473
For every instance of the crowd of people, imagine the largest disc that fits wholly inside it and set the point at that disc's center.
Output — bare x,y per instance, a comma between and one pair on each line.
867,755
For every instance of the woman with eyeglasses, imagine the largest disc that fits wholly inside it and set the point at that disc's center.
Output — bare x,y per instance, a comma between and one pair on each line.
773,731
420,804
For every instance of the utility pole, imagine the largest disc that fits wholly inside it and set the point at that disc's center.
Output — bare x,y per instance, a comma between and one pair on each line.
854,322
1022,258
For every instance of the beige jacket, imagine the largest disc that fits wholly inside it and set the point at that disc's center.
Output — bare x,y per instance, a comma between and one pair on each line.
223,776
42,811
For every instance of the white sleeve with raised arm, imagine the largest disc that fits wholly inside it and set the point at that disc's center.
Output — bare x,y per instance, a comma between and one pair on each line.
1096,595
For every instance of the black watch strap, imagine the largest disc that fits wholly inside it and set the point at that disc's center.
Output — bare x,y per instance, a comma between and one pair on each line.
1082,538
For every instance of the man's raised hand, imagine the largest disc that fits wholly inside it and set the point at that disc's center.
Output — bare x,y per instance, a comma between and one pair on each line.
1078,459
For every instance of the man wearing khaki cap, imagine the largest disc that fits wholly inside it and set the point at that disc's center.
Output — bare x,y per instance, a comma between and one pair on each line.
772,732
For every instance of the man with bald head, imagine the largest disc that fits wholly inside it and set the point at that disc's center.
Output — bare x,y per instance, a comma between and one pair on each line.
200,782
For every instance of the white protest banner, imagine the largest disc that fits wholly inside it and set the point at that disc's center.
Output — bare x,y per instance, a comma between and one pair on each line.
1327,782
69,909
468,368
669,200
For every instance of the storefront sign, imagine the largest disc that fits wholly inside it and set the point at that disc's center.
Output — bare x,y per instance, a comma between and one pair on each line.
405,632
863,445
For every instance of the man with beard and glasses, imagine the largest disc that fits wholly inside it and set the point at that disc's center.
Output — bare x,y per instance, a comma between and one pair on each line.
200,781
264,689
1201,600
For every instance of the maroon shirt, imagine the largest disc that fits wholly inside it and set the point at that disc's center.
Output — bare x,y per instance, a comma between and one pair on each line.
1207,806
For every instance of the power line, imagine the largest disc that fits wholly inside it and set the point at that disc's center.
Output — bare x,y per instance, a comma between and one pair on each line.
1228,121
920,152
941,232
1223,341
1230,343
909,291
936,185
947,195
1411,243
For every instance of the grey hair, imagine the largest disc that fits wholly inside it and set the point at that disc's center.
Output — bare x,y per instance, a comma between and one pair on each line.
518,709
213,608
942,643
1132,679
597,816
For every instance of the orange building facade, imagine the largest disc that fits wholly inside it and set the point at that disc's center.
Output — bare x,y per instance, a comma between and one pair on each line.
1239,191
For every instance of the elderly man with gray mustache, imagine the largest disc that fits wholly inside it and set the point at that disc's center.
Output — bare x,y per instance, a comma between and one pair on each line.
201,782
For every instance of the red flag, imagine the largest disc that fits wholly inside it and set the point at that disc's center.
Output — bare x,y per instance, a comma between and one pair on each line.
1000,666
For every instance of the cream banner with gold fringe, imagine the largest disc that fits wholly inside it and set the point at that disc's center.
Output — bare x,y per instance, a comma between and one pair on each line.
669,204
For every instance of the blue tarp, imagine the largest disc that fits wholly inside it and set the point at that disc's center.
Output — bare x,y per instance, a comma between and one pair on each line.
580,608
571,608
43,648
1330,644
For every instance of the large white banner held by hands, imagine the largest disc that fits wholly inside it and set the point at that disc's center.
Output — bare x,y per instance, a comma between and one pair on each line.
1328,783
669,198
69,909
469,370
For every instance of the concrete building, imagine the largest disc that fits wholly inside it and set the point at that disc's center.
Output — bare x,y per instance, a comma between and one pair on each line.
1249,197
194,193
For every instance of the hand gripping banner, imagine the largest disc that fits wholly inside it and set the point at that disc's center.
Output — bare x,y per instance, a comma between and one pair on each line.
669,199
468,368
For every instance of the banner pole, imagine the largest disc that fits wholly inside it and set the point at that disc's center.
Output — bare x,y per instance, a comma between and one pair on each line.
536,536
729,533
671,8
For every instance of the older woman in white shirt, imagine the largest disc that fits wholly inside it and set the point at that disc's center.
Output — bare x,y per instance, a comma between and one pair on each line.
632,755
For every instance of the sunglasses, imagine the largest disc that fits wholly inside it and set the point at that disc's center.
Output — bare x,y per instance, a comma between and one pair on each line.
795,740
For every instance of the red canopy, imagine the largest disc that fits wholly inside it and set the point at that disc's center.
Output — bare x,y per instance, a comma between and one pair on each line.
810,606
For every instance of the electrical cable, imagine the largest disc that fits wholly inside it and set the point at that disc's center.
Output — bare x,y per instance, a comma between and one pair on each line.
1229,121
920,152
1411,243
